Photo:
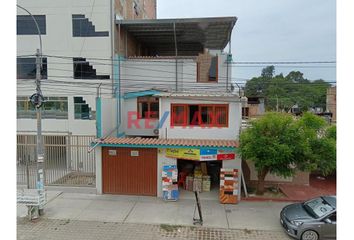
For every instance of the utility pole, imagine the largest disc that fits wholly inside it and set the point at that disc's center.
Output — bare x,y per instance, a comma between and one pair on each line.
38,103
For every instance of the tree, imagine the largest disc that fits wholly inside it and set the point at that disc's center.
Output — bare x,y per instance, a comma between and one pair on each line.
268,72
275,145
279,144
322,141
285,92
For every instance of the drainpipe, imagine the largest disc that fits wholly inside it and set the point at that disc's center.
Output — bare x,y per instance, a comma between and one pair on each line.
117,91
112,22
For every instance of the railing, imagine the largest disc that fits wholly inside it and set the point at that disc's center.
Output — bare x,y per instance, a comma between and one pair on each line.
67,160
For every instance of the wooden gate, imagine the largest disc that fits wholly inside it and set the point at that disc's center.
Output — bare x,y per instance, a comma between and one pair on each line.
131,171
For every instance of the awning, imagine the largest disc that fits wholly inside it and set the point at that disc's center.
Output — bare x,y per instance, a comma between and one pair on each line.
167,143
192,34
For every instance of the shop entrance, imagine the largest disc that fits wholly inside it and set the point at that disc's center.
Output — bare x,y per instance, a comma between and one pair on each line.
203,175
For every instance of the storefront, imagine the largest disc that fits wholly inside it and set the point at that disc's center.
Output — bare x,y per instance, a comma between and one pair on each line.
136,167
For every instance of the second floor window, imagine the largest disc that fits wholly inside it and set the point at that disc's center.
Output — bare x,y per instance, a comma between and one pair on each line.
204,115
53,108
27,26
26,68
148,107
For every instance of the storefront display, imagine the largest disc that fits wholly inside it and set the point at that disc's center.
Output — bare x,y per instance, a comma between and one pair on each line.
229,186
169,183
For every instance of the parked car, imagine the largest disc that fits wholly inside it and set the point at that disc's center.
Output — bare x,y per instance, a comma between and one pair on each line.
311,220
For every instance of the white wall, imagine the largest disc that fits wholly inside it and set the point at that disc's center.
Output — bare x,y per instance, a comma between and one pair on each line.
58,40
143,126
75,126
98,157
108,116
231,132
139,74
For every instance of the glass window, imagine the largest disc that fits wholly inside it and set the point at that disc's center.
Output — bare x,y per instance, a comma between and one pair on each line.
52,108
318,207
221,115
82,109
26,68
83,70
148,107
199,115
178,115
82,27
27,26
213,70
206,114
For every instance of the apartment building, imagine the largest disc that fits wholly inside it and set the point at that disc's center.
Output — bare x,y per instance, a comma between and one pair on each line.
77,46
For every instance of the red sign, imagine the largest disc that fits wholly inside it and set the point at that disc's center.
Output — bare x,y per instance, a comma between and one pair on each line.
229,156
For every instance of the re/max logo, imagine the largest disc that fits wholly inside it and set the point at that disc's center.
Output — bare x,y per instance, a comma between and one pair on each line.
207,120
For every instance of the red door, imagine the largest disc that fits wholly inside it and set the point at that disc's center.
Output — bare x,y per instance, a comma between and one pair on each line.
131,171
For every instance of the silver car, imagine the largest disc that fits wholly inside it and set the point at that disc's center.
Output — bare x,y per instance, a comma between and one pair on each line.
311,220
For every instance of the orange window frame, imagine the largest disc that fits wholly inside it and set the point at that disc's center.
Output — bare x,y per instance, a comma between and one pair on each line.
173,114
186,115
147,100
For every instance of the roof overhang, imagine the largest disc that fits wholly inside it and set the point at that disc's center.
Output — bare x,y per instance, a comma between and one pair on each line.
166,143
192,34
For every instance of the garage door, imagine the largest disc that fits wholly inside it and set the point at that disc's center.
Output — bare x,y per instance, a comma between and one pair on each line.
131,171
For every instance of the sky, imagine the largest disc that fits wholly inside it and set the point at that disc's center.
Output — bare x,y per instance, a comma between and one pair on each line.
271,30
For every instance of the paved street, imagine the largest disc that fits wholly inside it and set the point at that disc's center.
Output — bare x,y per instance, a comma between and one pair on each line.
50,229
89,216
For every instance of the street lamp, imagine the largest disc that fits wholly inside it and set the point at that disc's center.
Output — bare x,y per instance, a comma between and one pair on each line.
37,100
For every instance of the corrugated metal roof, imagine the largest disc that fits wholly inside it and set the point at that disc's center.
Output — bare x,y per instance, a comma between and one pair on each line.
169,142
192,34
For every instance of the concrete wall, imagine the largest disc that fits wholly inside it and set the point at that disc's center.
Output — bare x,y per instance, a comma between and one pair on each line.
154,72
142,126
98,157
58,40
231,132
108,116
302,178
75,126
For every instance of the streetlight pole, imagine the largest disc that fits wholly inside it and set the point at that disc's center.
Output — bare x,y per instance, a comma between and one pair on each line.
37,100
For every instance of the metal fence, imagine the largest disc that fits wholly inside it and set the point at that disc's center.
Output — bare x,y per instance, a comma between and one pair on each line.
67,161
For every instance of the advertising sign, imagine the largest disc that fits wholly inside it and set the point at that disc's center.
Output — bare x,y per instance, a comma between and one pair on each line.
183,153
226,154
204,154
208,154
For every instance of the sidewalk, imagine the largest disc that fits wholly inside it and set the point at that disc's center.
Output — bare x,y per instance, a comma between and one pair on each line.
152,210
92,230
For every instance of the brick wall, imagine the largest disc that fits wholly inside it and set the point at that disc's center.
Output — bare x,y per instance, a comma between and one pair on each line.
146,9
127,47
203,66
125,8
